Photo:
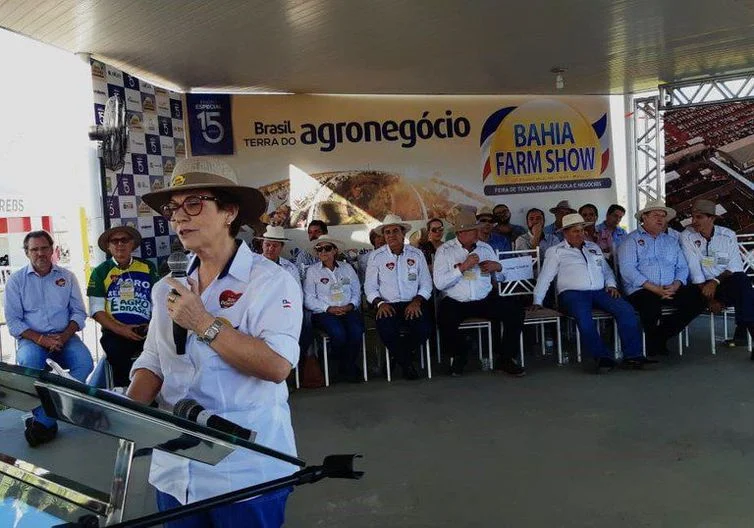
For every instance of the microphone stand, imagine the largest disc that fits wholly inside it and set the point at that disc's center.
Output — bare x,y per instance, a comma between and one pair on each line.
334,466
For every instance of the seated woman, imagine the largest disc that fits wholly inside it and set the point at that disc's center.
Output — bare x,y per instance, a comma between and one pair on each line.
332,292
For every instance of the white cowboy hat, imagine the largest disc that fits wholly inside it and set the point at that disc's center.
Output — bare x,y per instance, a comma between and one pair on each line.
656,205
274,234
326,239
573,220
392,219
562,204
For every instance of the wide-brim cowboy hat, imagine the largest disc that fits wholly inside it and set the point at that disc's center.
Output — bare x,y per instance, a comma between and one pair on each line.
326,239
707,207
393,219
274,234
656,205
563,204
210,173
465,221
104,239
573,220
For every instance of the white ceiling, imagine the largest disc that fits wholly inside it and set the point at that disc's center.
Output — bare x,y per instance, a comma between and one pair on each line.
400,46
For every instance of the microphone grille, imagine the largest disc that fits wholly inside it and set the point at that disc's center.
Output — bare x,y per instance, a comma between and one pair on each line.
178,262
183,407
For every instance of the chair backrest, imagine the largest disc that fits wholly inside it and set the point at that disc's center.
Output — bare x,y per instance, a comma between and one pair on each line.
520,270
746,247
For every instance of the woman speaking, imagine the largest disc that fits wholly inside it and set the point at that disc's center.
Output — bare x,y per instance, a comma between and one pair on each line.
242,313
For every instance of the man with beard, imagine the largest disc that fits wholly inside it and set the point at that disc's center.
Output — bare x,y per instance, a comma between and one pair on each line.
504,226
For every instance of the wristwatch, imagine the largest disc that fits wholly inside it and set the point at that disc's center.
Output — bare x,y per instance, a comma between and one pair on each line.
210,333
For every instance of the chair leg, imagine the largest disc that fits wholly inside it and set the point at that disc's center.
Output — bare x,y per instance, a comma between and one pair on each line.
364,354
437,335
686,336
712,340
489,342
616,341
298,383
680,343
327,368
725,325
387,364
479,337
643,343
521,349
560,341
748,336
429,359
578,345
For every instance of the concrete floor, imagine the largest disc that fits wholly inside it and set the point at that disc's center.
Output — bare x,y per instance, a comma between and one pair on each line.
671,447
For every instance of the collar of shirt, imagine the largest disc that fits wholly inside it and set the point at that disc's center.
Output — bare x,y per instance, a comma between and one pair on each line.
130,262
30,270
237,267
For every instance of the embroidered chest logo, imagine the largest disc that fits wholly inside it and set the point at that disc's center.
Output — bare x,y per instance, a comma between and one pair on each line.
698,243
593,251
390,266
228,298
324,280
640,242
410,262
286,303
60,282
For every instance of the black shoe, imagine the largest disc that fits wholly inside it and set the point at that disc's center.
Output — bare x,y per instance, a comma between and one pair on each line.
637,363
511,367
37,434
354,378
410,373
603,363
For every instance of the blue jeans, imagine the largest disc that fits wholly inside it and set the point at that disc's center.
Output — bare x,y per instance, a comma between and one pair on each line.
578,304
266,511
345,332
73,356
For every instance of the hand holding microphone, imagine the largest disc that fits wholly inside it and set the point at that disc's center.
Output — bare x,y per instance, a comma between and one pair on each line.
184,305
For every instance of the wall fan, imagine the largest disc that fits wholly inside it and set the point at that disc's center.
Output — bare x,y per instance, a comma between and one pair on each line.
113,133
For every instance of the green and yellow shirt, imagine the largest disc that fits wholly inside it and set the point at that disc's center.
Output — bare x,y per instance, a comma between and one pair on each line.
125,294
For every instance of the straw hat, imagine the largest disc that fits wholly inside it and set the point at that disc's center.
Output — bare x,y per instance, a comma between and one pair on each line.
656,205
393,219
465,221
326,239
484,211
274,234
573,220
210,173
104,239
562,204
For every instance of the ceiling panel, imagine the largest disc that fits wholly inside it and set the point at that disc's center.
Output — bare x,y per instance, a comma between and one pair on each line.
400,46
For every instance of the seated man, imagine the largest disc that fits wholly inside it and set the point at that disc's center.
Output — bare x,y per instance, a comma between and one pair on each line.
464,272
488,234
609,233
536,237
273,241
377,241
44,310
585,281
715,264
654,273
563,208
504,226
590,214
398,285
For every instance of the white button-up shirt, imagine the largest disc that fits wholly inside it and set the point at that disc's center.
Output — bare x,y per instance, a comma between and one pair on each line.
257,298
470,285
397,278
707,260
581,269
291,268
337,287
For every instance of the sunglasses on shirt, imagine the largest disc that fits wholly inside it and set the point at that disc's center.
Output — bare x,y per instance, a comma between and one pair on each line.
320,249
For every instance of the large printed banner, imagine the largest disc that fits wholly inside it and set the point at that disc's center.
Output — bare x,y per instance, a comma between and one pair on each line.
350,160
709,153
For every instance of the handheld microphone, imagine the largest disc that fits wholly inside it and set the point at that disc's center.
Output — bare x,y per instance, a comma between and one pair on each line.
178,263
190,409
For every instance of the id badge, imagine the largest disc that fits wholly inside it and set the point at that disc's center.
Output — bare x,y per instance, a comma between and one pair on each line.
345,281
336,294
127,291
469,275
412,275
722,259
708,262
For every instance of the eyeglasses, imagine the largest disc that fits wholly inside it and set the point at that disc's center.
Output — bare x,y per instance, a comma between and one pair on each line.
117,241
486,221
437,229
320,249
192,206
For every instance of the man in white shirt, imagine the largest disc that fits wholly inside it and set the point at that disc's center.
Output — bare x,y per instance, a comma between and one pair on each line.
715,264
535,237
273,241
398,285
586,281
464,272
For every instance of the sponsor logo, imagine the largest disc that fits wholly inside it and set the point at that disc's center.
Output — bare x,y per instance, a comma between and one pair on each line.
286,303
410,262
177,180
390,266
60,282
228,298
698,243
324,280
640,242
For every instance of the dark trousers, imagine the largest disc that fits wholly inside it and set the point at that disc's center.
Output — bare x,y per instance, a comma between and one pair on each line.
345,332
121,353
402,336
508,310
688,302
736,291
